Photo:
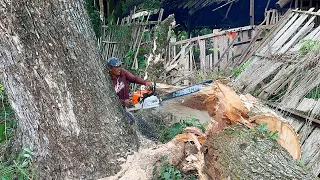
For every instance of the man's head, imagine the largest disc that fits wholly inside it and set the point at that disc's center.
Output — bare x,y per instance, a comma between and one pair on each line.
114,66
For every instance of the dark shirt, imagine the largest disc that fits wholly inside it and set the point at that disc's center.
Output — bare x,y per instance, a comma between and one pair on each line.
121,84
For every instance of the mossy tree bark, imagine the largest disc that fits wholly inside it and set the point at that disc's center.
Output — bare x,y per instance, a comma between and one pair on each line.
238,154
65,106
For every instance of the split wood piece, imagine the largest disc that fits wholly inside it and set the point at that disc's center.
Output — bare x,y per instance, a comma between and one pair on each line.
187,137
225,105
288,137
193,159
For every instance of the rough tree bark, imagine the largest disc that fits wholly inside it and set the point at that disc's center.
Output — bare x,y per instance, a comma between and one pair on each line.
236,153
64,103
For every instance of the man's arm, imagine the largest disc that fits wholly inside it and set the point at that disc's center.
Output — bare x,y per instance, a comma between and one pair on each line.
122,101
134,79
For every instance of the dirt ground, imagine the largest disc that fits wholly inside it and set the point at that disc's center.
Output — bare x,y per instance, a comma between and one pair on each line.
190,106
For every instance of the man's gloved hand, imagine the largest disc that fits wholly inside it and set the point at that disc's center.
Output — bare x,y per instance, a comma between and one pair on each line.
128,103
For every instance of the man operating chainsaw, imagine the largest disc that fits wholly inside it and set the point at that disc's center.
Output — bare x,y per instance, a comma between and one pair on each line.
121,79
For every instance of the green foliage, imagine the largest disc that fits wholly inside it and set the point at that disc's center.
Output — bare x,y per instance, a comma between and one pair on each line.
19,167
201,76
6,130
309,46
94,16
301,163
7,122
204,31
161,33
178,127
237,72
263,132
140,4
314,93
1,90
167,171
129,58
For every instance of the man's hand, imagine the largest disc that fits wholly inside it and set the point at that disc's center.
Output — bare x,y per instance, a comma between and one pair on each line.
149,84
128,103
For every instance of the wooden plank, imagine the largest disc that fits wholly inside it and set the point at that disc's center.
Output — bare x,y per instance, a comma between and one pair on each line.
178,55
264,71
191,59
160,15
268,89
273,32
211,62
308,81
297,125
311,152
307,12
223,48
207,63
316,109
227,50
202,45
272,17
306,105
215,52
302,31
251,12
282,108
214,34
289,32
305,131
279,34
268,18
244,54
308,37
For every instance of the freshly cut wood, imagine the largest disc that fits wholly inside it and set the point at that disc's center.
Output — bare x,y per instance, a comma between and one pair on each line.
185,137
288,137
225,104
228,108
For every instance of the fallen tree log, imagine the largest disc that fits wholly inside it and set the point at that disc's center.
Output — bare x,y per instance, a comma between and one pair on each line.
237,154
234,150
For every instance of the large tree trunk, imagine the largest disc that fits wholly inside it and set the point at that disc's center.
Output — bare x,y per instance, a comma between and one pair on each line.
66,108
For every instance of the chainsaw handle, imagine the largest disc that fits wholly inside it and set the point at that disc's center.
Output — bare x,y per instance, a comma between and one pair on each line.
153,92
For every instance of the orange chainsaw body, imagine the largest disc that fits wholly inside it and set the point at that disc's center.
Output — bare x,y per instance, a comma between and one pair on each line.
139,95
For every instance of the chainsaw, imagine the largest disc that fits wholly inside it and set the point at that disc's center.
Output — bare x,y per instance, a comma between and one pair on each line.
145,99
